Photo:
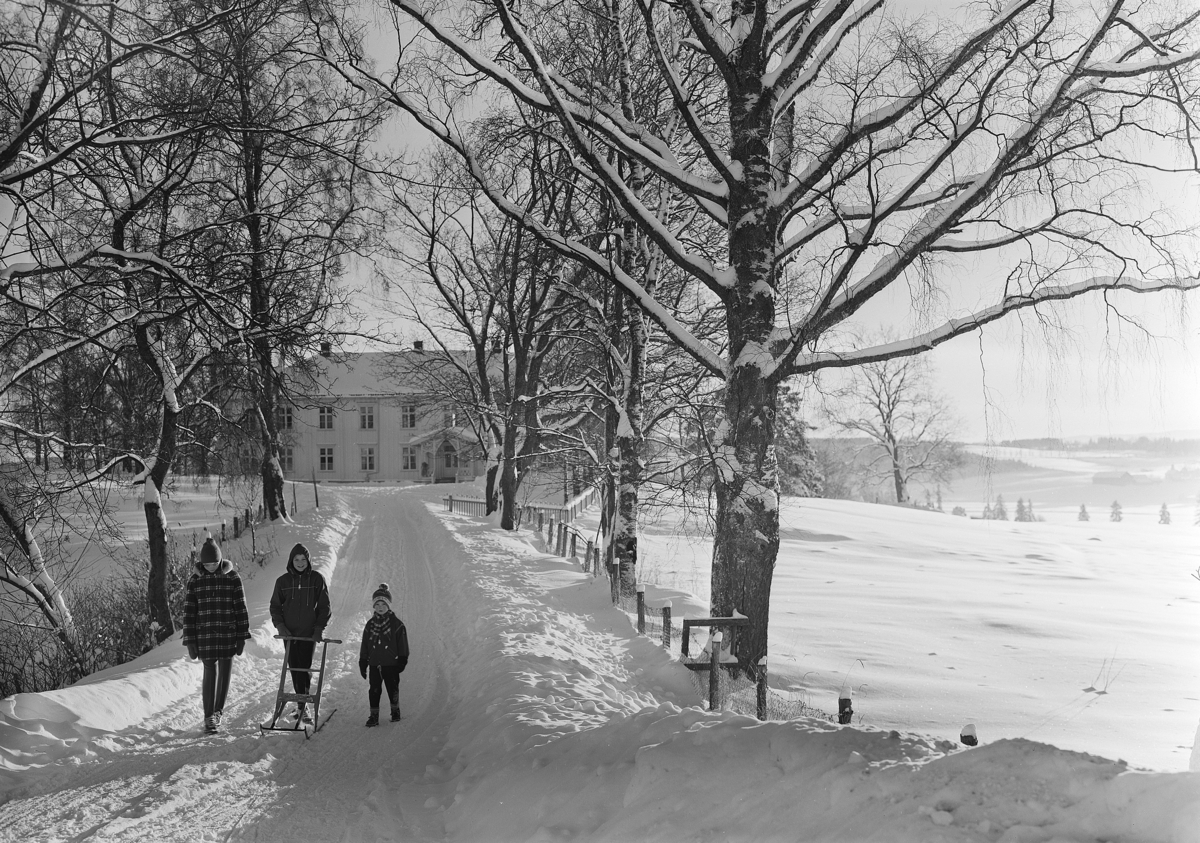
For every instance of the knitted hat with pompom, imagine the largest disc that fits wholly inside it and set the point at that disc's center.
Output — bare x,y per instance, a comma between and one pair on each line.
210,552
382,593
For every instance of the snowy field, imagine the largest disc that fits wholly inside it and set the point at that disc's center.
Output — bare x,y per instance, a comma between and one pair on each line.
533,713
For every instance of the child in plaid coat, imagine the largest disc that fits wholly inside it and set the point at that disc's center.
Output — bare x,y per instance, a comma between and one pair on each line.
383,654
215,627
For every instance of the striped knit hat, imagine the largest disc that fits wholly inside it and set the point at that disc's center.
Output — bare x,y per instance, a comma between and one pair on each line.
382,593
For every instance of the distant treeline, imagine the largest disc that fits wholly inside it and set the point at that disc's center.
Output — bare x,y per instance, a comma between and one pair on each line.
1163,445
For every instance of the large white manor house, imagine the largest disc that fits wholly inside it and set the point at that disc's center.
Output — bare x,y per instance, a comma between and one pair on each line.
372,417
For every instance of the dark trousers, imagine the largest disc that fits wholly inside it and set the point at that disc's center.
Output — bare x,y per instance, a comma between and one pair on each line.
301,655
215,684
387,676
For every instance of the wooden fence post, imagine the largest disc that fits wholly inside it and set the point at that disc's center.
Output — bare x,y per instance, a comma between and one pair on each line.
845,707
450,498
761,689
222,532
316,494
714,669
596,563
587,557
666,616
236,532
641,608
294,507
574,544
541,515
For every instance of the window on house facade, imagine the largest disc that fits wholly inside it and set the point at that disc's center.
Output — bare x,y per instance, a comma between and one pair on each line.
325,418
286,459
326,459
449,455
448,417
408,416
285,417
366,417
408,459
366,457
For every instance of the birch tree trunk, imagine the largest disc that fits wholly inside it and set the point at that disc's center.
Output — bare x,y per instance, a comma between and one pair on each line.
746,540
154,480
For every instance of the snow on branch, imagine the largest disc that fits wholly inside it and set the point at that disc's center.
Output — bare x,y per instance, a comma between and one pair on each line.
581,109
804,363
809,55
566,246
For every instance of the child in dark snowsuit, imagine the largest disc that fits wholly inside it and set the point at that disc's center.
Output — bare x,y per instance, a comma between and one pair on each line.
300,607
384,653
215,627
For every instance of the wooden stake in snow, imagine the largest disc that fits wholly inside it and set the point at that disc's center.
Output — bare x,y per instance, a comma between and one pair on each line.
761,689
714,669
845,706
641,608
968,736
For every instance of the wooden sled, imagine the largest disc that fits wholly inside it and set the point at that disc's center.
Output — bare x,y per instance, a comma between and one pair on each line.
313,700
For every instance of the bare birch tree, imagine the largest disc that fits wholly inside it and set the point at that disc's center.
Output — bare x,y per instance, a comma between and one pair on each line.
909,427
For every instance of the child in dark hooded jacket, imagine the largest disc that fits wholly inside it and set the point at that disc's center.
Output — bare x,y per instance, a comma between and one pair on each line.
383,654
300,607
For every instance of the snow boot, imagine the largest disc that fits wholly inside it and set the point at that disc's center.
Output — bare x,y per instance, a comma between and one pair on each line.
210,724
373,720
395,714
217,717
302,714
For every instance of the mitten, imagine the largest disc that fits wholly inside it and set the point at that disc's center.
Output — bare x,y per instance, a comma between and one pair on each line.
193,653
319,634
241,645
362,668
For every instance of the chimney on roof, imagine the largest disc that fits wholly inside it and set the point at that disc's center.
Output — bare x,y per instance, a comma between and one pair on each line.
326,348
418,345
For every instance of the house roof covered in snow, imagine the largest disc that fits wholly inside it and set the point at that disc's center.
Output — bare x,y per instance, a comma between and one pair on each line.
376,374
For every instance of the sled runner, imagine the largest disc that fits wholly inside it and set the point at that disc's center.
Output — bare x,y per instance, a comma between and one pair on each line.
312,700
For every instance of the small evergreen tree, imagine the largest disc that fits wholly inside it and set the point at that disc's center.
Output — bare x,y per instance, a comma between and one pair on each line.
1164,516
1083,513
1029,510
799,468
1021,514
987,512
958,510
1115,515
999,513
939,499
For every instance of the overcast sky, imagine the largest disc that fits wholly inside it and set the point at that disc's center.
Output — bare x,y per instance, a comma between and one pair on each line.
1104,378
